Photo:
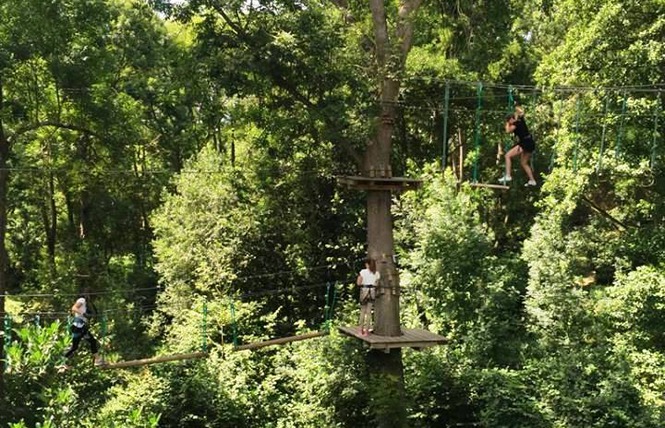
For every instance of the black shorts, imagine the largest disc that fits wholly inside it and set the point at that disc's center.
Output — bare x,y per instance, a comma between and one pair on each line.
528,145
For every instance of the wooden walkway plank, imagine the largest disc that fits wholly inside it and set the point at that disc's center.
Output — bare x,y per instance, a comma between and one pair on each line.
490,186
280,341
410,338
379,183
154,360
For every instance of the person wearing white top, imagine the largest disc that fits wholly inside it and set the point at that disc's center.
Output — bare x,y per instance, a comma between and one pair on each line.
368,279
80,331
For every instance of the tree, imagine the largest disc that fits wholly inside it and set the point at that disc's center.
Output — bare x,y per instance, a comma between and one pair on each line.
81,118
392,44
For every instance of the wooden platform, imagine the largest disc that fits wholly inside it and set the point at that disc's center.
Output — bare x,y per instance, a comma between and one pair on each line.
490,186
416,338
155,360
280,341
399,184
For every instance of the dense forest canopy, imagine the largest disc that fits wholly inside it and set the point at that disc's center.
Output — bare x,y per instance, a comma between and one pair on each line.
177,162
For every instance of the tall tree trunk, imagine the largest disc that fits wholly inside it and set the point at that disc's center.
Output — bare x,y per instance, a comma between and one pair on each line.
388,397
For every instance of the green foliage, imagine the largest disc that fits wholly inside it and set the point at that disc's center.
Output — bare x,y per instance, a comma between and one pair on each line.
439,386
463,289
136,402
450,238
634,308
199,154
506,399
36,392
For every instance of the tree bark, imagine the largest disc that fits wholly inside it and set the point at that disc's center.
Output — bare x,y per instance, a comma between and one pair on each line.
387,377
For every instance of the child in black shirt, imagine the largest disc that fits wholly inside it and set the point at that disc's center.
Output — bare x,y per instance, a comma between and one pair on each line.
516,125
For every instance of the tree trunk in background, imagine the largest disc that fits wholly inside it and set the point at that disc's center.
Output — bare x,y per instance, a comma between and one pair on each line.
387,377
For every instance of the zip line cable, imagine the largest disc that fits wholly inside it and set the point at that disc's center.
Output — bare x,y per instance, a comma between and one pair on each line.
139,174
653,88
134,290
92,293
284,290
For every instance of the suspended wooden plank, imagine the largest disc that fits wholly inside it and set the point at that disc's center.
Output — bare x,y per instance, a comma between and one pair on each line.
399,184
417,338
490,186
154,360
281,340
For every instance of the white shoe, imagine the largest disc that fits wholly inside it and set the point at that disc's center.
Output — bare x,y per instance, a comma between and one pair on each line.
530,183
505,179
63,368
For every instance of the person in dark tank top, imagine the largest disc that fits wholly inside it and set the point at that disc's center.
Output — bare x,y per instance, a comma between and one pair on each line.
525,146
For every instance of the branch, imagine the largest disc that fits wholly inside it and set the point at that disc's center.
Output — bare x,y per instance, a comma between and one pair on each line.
405,25
48,123
234,25
342,4
604,213
279,80
381,38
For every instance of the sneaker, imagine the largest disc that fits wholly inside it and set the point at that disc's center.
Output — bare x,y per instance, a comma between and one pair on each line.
505,179
99,361
63,368
530,183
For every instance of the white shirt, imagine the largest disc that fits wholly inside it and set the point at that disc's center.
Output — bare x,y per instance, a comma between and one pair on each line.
368,277
82,308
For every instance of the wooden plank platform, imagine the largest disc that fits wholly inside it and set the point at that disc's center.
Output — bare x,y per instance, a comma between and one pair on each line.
411,338
399,184
490,186
154,360
280,341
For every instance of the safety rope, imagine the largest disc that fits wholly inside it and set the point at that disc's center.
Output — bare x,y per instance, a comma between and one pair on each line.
204,326
617,149
326,308
509,110
103,333
557,119
7,339
578,104
329,306
479,97
446,102
534,130
603,135
332,304
234,324
654,144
